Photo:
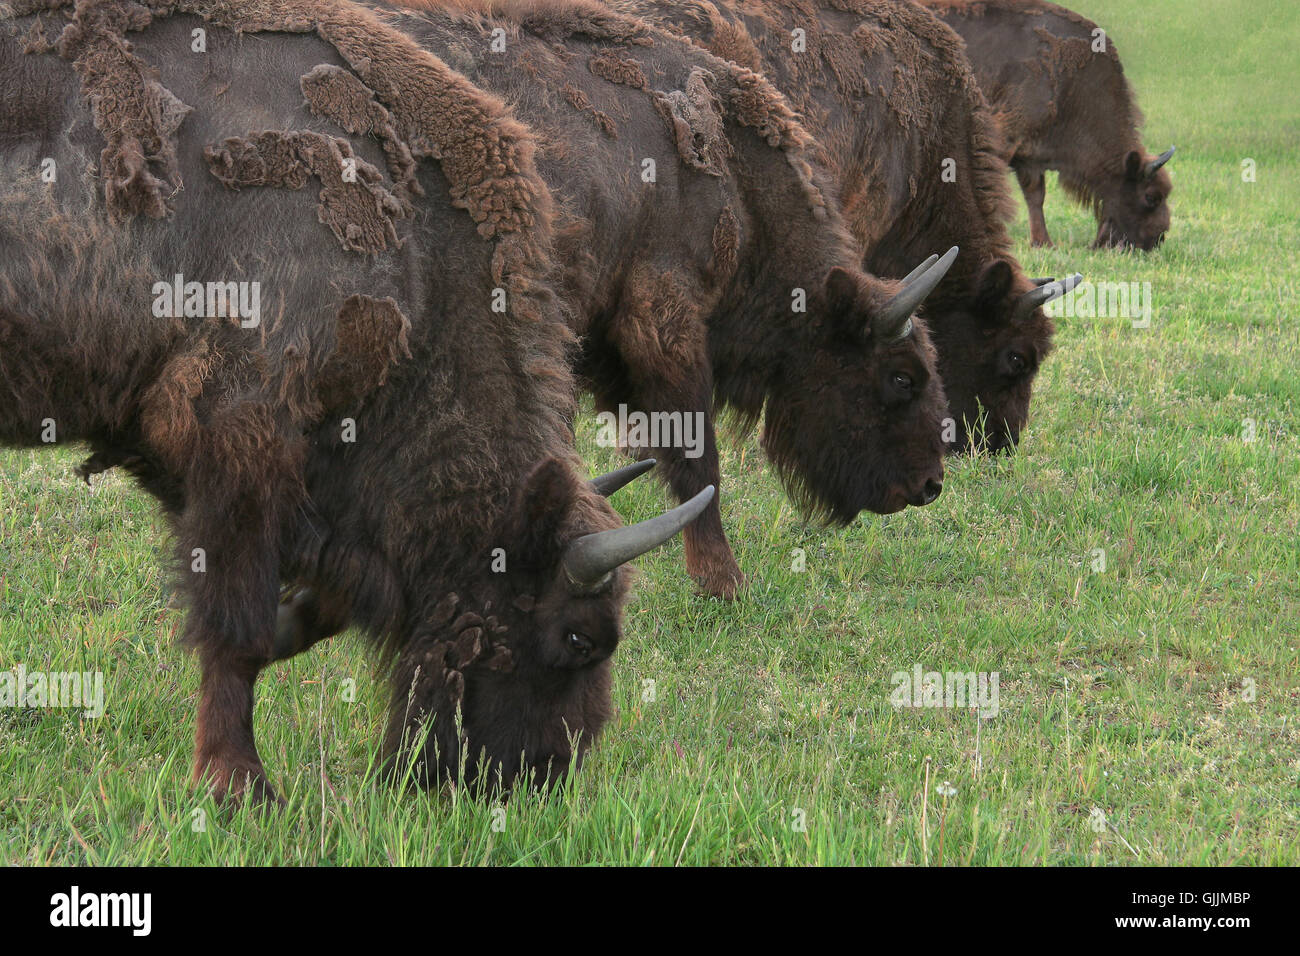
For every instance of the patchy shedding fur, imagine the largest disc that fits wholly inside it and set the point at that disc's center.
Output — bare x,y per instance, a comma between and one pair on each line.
36,41
726,246
372,337
757,103
618,69
136,114
886,90
462,448
581,102
554,20
361,212
751,102
696,120
682,282
337,95
490,170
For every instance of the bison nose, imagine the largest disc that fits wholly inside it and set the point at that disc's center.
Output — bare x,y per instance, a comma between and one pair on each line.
932,490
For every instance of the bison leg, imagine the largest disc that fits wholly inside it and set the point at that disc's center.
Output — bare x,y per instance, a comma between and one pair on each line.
673,390
1033,184
663,372
709,559
225,754
242,484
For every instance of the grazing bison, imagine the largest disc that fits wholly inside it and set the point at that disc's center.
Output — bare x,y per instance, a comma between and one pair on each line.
1056,85
706,261
335,362
885,89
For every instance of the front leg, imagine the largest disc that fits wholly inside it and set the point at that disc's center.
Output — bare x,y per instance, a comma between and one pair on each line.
1033,184
230,623
661,341
709,559
240,487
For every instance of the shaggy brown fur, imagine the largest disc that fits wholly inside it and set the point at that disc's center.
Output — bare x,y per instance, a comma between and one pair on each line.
684,287
380,431
886,89
337,95
361,213
137,116
1066,107
373,336
582,102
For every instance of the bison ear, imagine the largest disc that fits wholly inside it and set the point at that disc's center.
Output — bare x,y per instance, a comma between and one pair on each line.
841,293
993,284
1133,166
537,515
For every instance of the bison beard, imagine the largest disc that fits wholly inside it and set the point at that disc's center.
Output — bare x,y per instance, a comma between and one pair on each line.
727,279
378,435
1065,104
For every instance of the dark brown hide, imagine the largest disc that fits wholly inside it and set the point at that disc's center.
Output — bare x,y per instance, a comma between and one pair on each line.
1061,97
885,89
381,429
685,289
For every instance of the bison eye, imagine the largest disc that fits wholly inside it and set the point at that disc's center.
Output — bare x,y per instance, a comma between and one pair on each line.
1016,363
902,382
579,644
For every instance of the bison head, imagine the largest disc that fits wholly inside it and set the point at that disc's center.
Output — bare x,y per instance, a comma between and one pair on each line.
856,422
991,342
510,678
1134,213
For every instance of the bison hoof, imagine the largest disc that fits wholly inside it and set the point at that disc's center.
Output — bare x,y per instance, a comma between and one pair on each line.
724,584
236,785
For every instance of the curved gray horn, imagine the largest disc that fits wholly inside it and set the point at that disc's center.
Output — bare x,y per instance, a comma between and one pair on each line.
895,321
589,560
1053,289
907,279
606,484
1159,161
1043,281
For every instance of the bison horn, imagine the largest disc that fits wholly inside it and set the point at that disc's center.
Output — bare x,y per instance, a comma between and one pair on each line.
588,561
1046,292
895,321
1043,281
605,485
1159,161
907,279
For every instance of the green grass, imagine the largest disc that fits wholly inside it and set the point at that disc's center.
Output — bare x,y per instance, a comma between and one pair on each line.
1120,690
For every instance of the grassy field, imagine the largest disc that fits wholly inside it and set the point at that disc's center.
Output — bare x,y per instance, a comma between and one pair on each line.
1148,711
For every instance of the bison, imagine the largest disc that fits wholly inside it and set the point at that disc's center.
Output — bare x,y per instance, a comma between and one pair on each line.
1055,82
707,264
886,91
300,285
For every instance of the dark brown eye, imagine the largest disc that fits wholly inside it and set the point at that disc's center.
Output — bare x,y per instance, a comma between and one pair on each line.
902,382
579,644
1016,363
